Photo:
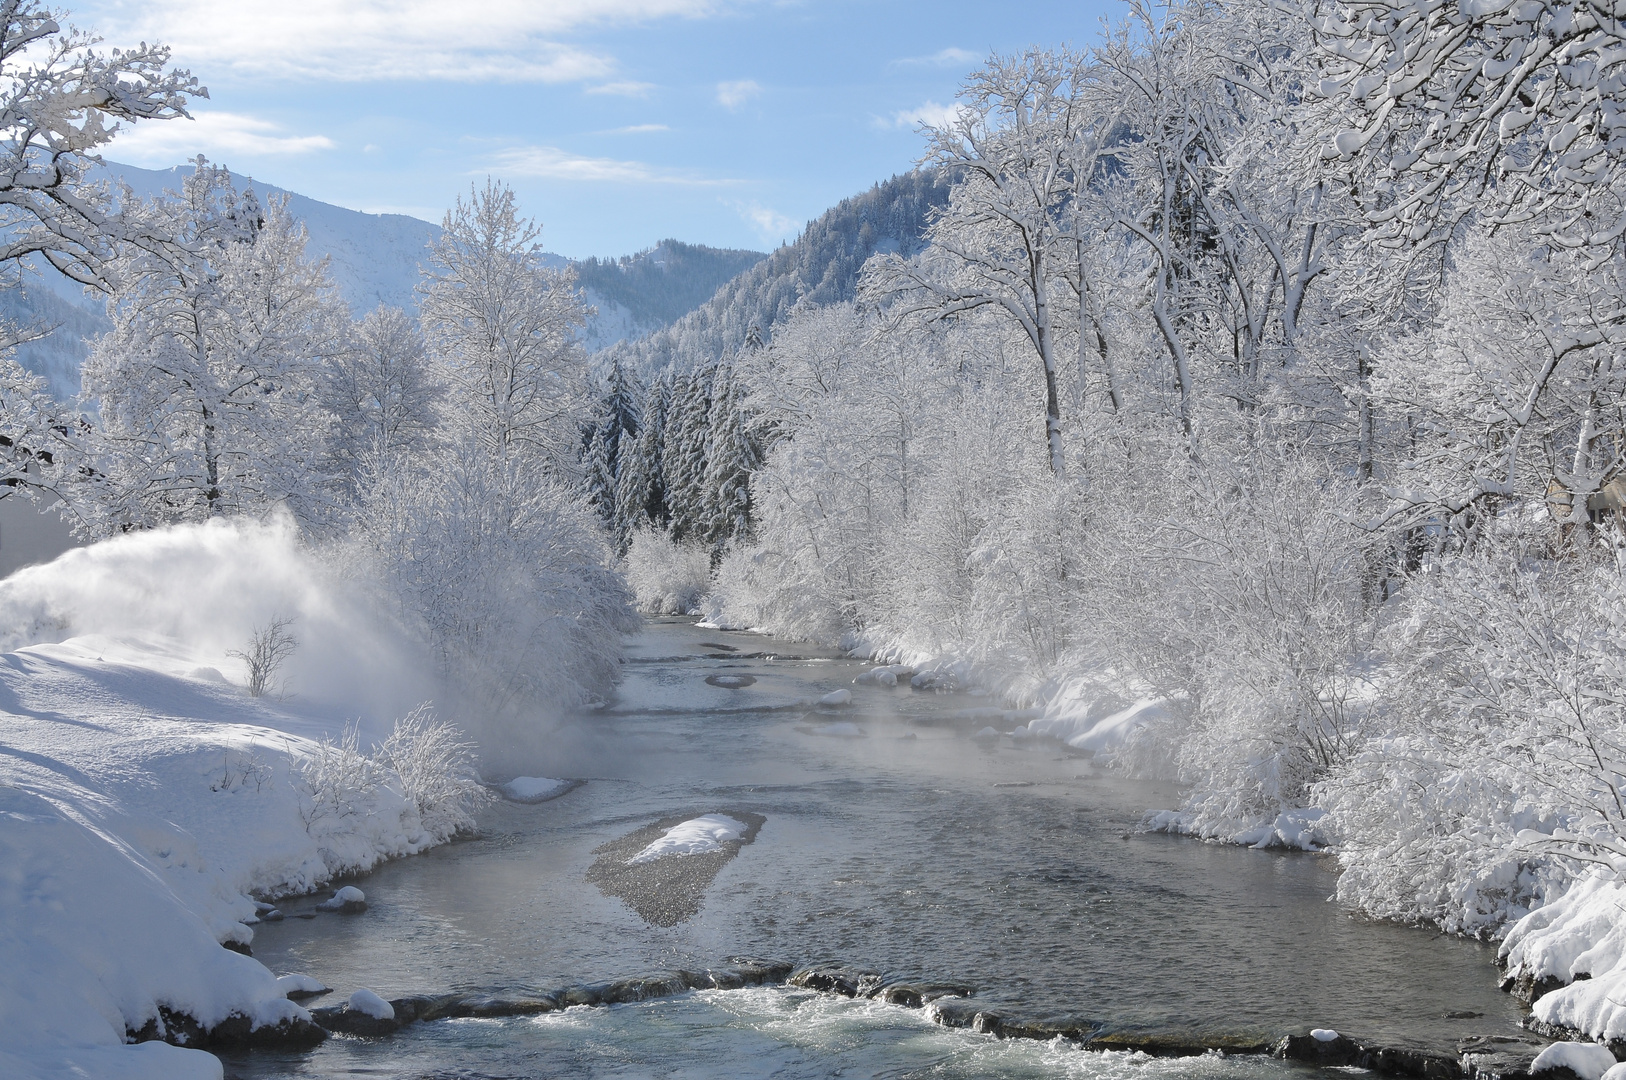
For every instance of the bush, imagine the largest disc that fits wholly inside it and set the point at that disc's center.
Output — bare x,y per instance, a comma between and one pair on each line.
667,578
436,769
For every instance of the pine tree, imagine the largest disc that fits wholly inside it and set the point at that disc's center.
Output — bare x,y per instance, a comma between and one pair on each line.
640,489
683,461
733,455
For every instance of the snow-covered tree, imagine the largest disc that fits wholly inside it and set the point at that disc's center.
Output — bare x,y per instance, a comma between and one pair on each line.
207,387
382,389
61,99
504,326
998,243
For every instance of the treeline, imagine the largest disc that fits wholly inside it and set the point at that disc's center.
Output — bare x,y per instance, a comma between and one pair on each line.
1262,359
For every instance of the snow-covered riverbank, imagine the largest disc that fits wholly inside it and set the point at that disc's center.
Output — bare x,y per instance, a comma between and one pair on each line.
146,797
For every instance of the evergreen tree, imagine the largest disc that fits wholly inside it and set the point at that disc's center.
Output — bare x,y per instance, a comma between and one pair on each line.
683,461
640,489
733,454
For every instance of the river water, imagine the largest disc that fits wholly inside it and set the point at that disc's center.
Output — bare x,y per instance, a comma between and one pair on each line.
893,840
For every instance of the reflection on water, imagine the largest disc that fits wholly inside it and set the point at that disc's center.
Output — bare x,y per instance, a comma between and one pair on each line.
892,840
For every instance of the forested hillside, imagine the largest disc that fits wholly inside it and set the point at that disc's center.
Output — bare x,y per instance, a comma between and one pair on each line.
638,294
821,267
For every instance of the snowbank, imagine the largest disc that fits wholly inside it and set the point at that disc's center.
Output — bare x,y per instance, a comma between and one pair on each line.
693,837
1578,939
144,797
1589,1061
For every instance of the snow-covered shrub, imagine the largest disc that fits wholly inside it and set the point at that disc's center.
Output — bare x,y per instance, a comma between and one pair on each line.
1264,574
667,577
505,575
337,782
435,767
1504,770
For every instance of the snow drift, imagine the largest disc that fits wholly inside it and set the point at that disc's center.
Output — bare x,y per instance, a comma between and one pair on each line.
146,798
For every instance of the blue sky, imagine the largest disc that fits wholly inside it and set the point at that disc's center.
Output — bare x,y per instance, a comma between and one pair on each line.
618,122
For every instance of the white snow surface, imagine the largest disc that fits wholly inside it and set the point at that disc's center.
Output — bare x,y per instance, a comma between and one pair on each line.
533,788
365,1001
837,697
140,806
295,983
693,837
1589,1061
347,895
1323,1034
1581,933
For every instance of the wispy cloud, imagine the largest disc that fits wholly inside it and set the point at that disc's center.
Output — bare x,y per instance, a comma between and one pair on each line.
950,57
552,163
621,89
927,112
639,129
497,41
770,224
217,134
731,95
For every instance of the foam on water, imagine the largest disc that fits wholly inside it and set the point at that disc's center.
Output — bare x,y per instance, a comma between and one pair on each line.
744,1035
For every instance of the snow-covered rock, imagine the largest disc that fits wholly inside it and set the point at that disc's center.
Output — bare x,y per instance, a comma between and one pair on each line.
1589,1061
295,985
347,901
370,1004
534,789
837,698
693,837
1323,1034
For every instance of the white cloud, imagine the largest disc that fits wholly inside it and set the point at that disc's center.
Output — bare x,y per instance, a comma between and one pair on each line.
622,89
552,163
770,225
927,112
218,134
731,95
950,57
497,40
639,129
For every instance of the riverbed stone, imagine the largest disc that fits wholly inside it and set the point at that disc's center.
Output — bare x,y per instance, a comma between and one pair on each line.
1498,1057
839,979
1527,988
915,995
344,1020
235,1032
1339,1051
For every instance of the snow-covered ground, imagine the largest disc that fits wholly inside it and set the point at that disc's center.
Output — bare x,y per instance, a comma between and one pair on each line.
709,832
145,797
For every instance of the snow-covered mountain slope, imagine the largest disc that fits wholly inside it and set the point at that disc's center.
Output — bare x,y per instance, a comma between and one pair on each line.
375,259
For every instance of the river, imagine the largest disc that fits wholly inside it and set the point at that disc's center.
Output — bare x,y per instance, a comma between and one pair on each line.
891,840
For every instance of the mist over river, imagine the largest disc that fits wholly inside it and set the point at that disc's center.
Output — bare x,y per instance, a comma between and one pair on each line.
890,840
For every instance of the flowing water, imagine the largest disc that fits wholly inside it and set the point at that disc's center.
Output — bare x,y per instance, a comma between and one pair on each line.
893,840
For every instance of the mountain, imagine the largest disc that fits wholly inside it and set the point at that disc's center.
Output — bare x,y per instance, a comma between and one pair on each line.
821,267
374,259
638,294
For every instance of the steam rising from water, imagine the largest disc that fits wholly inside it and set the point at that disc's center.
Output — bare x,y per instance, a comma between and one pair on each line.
181,599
